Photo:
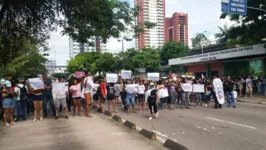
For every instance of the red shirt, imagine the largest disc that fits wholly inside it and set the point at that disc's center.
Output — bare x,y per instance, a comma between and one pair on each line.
103,89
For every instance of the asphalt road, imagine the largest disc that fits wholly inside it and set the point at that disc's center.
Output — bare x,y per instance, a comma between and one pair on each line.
205,128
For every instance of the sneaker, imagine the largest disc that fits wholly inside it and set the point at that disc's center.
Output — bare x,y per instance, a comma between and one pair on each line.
34,120
187,107
157,115
234,106
41,119
56,117
7,125
66,117
150,118
206,105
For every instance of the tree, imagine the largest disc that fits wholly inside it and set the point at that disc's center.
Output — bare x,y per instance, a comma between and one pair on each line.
249,29
199,41
173,49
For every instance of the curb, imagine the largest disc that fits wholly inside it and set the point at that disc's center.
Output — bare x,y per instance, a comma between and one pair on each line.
117,118
172,145
130,125
148,134
252,102
107,113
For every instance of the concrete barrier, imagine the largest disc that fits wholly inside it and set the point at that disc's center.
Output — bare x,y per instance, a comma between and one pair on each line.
172,145
108,113
130,125
117,118
148,134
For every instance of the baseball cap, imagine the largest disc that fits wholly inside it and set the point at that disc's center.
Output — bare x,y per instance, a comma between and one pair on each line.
151,83
7,83
2,81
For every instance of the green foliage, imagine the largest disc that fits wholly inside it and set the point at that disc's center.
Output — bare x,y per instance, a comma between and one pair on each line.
200,40
249,29
173,50
61,75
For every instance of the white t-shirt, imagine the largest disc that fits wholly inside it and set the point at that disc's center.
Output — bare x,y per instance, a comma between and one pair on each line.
141,89
89,85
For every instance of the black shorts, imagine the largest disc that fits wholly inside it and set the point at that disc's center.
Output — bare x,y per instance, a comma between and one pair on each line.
141,97
96,97
102,99
110,97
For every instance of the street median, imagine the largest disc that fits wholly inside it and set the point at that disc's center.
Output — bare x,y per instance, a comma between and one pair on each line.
117,118
108,113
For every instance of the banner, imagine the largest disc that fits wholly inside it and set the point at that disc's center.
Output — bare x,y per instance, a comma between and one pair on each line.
163,93
198,88
126,74
187,87
153,76
111,78
219,90
79,74
132,88
36,83
60,87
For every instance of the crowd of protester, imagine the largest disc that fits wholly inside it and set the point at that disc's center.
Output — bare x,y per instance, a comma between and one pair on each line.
82,94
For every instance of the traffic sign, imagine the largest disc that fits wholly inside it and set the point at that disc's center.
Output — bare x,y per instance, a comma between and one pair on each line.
234,6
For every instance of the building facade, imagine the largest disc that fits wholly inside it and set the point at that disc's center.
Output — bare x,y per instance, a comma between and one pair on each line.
176,28
151,11
94,44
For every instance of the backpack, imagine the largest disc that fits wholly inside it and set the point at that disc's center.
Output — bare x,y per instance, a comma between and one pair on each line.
153,95
23,93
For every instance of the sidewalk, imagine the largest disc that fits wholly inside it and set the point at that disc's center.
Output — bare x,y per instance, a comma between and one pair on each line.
256,99
77,133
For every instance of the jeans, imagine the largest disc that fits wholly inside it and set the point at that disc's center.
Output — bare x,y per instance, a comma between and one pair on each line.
153,104
48,97
199,98
185,99
21,110
230,98
15,107
259,87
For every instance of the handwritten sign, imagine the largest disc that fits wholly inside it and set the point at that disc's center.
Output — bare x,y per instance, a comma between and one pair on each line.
36,83
187,87
153,76
219,90
79,74
132,88
111,78
163,93
126,74
198,88
60,87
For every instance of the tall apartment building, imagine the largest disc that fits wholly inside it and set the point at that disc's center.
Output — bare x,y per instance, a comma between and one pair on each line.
94,44
152,11
176,27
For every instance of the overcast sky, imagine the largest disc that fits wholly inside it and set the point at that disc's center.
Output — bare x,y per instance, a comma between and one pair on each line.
203,15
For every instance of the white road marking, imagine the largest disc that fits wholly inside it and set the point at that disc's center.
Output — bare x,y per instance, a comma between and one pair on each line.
205,129
138,128
213,128
159,133
241,125
197,127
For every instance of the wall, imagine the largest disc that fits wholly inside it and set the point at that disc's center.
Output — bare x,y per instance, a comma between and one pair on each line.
217,67
197,68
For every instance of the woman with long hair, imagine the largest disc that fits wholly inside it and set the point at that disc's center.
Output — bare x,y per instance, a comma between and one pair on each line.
8,103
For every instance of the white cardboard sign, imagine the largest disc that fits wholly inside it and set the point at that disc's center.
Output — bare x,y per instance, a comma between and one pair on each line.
187,87
153,76
111,78
126,74
198,88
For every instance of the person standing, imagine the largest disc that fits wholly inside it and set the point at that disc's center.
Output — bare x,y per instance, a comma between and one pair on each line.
48,96
130,99
218,92
8,103
185,95
111,97
21,97
103,95
141,96
172,94
61,100
75,91
249,86
241,85
153,98
88,86
229,92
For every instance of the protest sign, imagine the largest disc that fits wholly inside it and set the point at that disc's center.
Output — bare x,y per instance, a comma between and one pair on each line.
79,74
187,87
219,90
163,93
126,74
111,78
36,83
198,88
153,76
60,87
132,88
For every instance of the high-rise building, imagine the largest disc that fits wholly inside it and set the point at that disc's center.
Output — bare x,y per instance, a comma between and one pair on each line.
176,27
151,11
94,44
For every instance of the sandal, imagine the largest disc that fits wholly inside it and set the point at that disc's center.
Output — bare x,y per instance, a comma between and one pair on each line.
7,125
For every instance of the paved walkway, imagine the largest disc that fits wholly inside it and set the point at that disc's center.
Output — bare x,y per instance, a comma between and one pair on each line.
259,99
77,133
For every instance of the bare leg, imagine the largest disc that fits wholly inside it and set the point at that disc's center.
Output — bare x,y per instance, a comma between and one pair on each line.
114,105
74,107
66,112
57,111
41,109
79,107
5,115
10,110
109,105
35,105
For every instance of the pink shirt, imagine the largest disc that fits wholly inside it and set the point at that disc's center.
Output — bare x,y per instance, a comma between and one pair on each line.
76,90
